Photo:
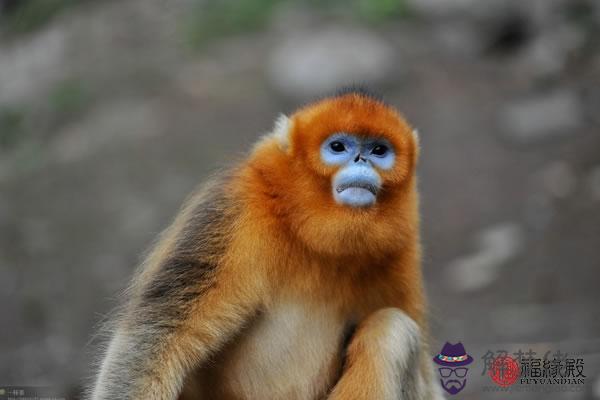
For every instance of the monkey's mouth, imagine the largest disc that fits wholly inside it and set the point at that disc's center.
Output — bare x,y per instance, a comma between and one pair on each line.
358,185
356,189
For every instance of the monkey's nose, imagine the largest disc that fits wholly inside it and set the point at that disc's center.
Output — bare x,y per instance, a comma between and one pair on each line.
360,158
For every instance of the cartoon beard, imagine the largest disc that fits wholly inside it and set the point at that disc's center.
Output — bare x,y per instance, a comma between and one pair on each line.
453,386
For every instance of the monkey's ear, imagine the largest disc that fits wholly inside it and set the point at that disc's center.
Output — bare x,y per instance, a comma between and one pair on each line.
415,133
280,134
281,131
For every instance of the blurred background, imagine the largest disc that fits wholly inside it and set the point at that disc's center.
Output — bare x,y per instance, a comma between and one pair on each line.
111,112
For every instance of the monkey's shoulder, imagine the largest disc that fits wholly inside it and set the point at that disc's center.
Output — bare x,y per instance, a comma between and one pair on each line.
184,262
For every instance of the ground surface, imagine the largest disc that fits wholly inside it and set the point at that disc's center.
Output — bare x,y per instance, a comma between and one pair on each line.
108,119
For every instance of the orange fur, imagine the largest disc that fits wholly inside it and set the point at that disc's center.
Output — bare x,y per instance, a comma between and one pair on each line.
289,196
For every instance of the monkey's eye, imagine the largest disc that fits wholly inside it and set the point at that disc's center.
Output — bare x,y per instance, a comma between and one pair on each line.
379,150
337,146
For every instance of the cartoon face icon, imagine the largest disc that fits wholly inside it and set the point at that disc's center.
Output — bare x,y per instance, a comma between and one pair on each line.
453,380
452,360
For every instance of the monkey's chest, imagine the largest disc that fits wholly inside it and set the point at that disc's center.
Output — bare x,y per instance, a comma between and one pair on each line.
293,352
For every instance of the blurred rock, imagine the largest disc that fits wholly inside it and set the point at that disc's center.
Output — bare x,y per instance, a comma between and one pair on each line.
9,282
507,34
307,64
106,126
31,65
547,54
534,119
558,179
524,320
596,388
59,349
539,210
459,38
38,235
495,246
594,182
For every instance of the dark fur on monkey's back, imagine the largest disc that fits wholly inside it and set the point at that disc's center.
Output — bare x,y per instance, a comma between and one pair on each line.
187,257
181,268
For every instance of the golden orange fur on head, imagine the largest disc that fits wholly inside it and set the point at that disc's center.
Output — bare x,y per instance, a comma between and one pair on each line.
355,113
297,183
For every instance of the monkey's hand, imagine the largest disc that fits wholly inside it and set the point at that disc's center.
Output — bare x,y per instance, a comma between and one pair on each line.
386,360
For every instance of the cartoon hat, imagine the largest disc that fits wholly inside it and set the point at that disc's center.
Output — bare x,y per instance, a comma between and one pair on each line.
453,355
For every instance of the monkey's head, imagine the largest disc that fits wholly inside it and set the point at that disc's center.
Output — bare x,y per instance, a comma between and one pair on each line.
348,166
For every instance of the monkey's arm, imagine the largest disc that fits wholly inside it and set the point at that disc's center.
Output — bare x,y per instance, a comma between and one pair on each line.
150,359
190,297
386,360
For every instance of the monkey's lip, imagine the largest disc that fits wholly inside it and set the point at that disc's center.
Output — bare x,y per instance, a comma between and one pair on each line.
359,185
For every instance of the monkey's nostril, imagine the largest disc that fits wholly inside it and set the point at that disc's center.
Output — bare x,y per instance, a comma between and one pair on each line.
357,158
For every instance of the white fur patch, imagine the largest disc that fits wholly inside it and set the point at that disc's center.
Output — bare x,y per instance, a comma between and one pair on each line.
401,346
393,339
287,354
416,136
117,345
281,131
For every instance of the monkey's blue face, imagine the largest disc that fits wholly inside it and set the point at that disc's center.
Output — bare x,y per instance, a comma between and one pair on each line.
357,182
